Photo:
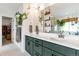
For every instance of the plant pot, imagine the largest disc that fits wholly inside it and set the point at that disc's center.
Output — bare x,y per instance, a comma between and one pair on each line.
37,30
30,29
60,35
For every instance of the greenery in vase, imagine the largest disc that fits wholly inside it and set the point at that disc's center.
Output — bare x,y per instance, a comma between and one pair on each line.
60,22
20,17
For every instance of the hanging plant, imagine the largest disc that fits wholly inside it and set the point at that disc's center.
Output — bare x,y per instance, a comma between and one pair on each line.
20,17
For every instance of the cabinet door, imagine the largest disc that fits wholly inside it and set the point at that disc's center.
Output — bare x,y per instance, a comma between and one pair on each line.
28,43
59,48
77,52
38,48
47,52
29,46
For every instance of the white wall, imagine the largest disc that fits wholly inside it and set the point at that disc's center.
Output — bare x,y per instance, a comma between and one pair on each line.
8,10
32,20
0,31
20,9
6,21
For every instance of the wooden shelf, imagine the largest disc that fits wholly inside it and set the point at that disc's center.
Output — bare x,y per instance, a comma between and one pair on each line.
71,19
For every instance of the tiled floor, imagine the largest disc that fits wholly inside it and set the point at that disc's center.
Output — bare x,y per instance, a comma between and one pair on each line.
11,50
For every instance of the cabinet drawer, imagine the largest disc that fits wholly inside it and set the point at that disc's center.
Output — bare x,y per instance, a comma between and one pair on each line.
38,41
38,48
48,52
29,45
59,48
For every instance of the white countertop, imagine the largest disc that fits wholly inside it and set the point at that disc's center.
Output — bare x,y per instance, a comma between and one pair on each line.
68,41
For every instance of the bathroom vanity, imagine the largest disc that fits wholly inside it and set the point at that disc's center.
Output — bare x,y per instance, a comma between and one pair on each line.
51,45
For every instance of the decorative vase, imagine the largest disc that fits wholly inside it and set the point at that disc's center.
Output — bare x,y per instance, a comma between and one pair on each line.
30,28
37,30
60,32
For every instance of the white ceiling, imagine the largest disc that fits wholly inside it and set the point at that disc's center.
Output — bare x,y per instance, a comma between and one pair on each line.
9,8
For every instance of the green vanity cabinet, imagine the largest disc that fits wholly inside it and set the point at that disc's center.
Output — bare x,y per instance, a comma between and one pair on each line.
29,45
59,48
48,52
33,46
39,47
77,52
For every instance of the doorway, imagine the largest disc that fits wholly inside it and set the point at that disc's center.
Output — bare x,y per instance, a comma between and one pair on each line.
6,30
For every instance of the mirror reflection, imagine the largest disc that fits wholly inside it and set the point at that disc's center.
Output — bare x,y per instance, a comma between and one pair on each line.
69,26
61,18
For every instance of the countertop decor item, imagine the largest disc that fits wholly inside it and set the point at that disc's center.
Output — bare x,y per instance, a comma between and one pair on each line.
30,28
37,29
60,23
20,17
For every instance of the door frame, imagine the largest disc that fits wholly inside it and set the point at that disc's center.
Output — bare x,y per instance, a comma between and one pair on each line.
11,29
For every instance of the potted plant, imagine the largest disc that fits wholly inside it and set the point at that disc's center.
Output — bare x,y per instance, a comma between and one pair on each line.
60,24
20,17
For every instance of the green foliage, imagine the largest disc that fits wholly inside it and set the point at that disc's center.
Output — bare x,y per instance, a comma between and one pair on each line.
20,17
60,23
